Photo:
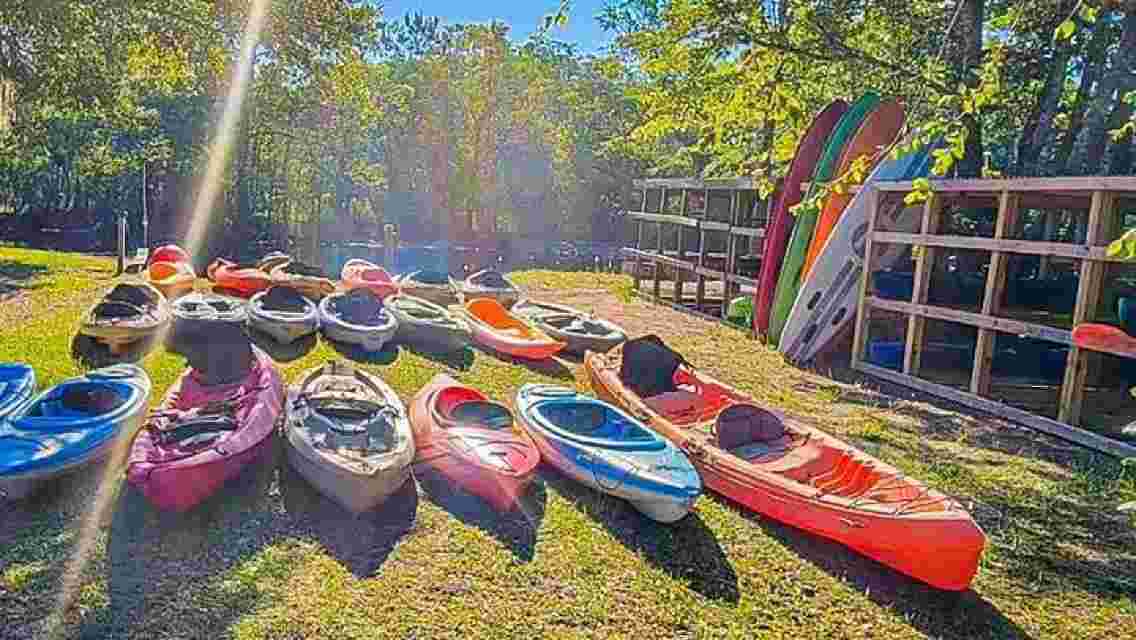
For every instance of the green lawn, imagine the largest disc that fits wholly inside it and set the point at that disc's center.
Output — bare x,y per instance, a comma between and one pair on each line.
271,559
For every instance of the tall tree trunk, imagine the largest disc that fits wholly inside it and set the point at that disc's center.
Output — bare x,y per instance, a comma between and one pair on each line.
1039,124
1091,71
7,104
1108,102
971,17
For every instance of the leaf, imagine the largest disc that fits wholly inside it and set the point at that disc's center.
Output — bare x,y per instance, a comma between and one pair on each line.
1065,30
1088,13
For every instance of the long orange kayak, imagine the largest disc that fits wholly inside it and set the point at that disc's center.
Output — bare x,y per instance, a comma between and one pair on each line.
872,139
790,471
1104,337
240,280
494,327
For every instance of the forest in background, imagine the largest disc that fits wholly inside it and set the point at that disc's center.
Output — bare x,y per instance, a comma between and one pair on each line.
353,116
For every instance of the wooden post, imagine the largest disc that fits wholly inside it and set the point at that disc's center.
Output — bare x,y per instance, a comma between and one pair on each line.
1049,226
863,311
680,277
659,245
120,232
992,301
145,214
1101,213
700,286
731,259
390,245
924,265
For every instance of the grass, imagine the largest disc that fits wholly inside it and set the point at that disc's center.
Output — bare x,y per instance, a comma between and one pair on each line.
270,558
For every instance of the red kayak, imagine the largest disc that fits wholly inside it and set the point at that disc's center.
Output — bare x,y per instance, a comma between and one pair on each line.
202,436
472,442
360,274
241,280
168,253
1104,337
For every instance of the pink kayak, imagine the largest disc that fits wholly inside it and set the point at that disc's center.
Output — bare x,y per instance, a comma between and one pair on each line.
202,436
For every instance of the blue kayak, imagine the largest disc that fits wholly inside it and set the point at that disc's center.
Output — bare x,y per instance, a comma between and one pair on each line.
17,386
598,445
70,425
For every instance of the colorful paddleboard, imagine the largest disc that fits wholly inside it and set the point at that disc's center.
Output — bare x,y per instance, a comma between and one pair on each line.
1104,337
802,235
801,169
875,136
827,301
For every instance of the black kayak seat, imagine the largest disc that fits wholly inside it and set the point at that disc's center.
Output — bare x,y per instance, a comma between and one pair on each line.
649,366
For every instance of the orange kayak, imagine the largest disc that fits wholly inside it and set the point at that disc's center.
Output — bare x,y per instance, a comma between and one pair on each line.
494,327
240,280
472,442
310,281
361,274
168,253
1104,337
790,471
173,279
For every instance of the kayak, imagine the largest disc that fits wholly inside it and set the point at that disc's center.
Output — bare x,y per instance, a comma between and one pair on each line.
348,435
472,442
487,283
69,426
358,273
435,286
579,331
357,317
310,281
283,314
17,386
426,324
128,313
168,253
243,280
790,471
173,279
204,435
273,260
600,446
494,327
209,331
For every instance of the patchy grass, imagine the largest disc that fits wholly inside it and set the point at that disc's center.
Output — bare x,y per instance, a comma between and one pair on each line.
270,558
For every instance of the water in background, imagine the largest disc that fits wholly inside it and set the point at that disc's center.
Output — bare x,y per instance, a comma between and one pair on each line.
457,259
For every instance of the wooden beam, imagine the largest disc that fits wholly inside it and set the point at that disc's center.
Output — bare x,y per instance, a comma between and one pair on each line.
992,300
1082,185
1066,432
1089,286
664,218
1005,325
714,225
693,183
731,254
924,265
1026,247
863,310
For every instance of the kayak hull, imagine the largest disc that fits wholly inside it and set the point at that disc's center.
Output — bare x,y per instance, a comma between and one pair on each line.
442,293
17,387
494,327
815,483
557,322
648,472
354,492
367,337
469,289
119,334
447,449
240,281
177,479
361,274
173,279
311,287
452,334
284,327
73,442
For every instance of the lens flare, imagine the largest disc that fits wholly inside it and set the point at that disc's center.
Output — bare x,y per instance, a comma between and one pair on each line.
210,186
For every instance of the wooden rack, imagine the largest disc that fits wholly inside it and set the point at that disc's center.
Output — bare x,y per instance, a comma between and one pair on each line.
1098,196
743,223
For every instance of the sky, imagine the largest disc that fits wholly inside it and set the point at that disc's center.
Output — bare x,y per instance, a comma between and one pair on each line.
522,16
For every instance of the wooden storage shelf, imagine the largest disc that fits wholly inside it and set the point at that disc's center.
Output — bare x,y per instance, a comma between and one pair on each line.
743,227
1097,196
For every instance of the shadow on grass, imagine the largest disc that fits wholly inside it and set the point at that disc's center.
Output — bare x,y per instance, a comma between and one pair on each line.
936,613
363,542
386,355
516,529
687,550
550,367
461,360
279,351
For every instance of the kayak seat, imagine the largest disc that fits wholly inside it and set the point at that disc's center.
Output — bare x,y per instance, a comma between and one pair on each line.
648,367
283,299
744,425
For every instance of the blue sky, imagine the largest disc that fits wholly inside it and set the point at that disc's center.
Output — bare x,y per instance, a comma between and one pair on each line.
522,16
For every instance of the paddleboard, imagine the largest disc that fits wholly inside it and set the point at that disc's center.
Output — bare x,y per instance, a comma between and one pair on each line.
827,301
1104,337
874,137
802,234
801,169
